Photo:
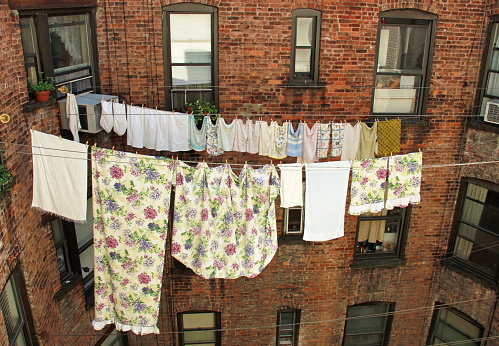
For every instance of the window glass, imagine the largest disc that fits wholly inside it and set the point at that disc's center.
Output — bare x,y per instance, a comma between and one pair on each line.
304,31
294,221
28,38
201,320
199,328
190,38
303,60
369,330
451,326
305,46
191,76
288,328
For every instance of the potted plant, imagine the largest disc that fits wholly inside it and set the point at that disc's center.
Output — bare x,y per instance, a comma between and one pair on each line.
200,108
42,88
5,177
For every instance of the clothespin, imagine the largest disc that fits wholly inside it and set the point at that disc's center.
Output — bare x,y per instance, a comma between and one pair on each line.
142,105
60,137
95,146
86,145
136,155
112,150
419,149
156,107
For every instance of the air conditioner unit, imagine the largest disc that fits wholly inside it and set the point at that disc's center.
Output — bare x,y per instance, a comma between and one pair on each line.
492,112
89,108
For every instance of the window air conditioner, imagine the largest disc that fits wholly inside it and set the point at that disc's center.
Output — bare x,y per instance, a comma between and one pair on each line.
89,108
492,112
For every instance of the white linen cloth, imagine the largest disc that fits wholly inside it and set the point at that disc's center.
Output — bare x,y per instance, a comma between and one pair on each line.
135,132
351,142
291,185
253,136
197,137
119,122
226,134
73,116
106,117
265,136
309,144
241,136
150,126
59,176
172,131
325,212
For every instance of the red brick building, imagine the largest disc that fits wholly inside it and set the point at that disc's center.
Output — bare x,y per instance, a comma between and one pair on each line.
433,64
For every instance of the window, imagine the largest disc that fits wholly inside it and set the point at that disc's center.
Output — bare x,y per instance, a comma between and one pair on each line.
450,325
382,234
476,244
374,330
199,328
305,38
112,337
15,310
404,50
60,45
191,53
288,326
293,219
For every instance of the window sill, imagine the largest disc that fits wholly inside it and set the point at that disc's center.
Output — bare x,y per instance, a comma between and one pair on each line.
458,267
306,85
67,286
33,105
289,239
377,262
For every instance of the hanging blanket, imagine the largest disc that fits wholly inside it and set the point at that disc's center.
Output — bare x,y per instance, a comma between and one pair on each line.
131,199
224,225
404,181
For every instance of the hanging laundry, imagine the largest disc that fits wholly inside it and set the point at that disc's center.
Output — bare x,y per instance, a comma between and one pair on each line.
279,140
172,132
404,181
136,126
106,117
212,138
337,132
291,185
197,137
73,115
295,139
368,186
131,201
368,135
225,225
323,140
59,176
226,134
253,136
241,136
119,119
325,212
151,124
265,137
309,144
351,142
389,137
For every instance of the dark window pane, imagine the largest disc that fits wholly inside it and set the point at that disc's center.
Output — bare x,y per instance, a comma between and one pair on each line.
363,340
294,220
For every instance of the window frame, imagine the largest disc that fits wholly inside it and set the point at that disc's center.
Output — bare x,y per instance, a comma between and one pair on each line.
189,8
296,326
422,94
182,330
301,78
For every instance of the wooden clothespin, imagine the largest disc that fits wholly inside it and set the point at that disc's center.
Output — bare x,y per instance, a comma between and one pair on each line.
95,146
60,137
86,145
136,155
112,150
419,149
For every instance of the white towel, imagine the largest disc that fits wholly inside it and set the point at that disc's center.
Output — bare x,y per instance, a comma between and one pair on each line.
59,176
135,132
119,122
150,126
351,142
241,136
73,115
178,137
265,134
253,136
291,185
226,134
325,212
106,117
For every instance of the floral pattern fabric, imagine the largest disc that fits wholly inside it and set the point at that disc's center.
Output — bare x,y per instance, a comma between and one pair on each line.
279,140
212,138
225,225
323,140
337,130
368,185
131,200
404,181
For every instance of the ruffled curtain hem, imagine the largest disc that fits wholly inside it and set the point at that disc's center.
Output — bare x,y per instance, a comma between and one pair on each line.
402,202
364,208
139,330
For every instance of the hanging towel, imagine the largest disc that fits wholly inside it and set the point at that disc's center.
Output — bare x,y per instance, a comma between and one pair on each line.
178,135
291,185
106,117
73,115
337,132
367,141
136,121
351,142
323,140
119,122
295,139
131,202
226,135
212,138
59,176
265,137
368,185
309,144
253,136
325,212
241,136
404,180
389,137
279,140
197,137
225,225
151,124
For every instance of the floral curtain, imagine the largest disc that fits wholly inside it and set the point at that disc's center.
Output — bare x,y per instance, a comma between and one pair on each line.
368,186
404,181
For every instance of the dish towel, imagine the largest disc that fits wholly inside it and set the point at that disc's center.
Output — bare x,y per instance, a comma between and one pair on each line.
253,136
323,140
291,185
337,132
226,134
295,139
119,122
279,140
368,144
404,181
351,142
73,116
131,203
325,212
178,131
389,137
368,186
197,137
151,124
59,176
106,117
241,136
309,144
135,133
265,137
212,138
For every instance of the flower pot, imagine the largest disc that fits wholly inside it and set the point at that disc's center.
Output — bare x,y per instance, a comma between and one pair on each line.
42,96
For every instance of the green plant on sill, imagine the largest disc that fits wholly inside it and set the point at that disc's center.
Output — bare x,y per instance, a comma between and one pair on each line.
42,85
5,176
201,108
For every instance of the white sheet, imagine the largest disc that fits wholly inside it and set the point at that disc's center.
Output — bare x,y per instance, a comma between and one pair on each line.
135,132
119,123
106,117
